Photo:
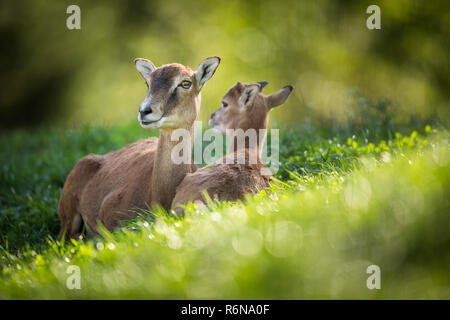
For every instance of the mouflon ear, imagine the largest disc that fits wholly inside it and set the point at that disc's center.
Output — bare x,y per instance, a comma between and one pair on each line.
280,97
145,67
248,95
206,70
263,84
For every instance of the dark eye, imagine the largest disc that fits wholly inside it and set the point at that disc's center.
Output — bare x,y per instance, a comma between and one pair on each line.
185,84
224,104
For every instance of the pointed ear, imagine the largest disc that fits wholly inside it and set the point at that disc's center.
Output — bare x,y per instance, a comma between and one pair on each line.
248,95
280,97
206,70
145,67
263,84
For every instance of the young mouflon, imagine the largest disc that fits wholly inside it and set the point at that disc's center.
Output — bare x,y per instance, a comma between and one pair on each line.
229,178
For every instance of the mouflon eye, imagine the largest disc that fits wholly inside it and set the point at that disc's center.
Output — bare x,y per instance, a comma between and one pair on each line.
185,84
224,104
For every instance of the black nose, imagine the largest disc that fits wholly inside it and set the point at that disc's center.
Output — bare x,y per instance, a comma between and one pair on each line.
145,112
212,116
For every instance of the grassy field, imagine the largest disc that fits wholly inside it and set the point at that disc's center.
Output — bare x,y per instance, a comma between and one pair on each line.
349,199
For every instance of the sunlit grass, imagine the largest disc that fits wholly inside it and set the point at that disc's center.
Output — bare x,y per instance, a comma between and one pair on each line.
343,205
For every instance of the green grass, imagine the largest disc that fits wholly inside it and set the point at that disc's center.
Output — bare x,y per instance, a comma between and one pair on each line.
346,201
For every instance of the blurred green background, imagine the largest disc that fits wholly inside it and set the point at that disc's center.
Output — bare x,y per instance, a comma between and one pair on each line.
52,75
364,152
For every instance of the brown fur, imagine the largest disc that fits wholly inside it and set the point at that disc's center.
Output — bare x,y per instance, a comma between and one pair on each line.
232,182
226,182
105,188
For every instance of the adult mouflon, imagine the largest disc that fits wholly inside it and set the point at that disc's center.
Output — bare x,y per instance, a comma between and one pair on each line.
104,188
